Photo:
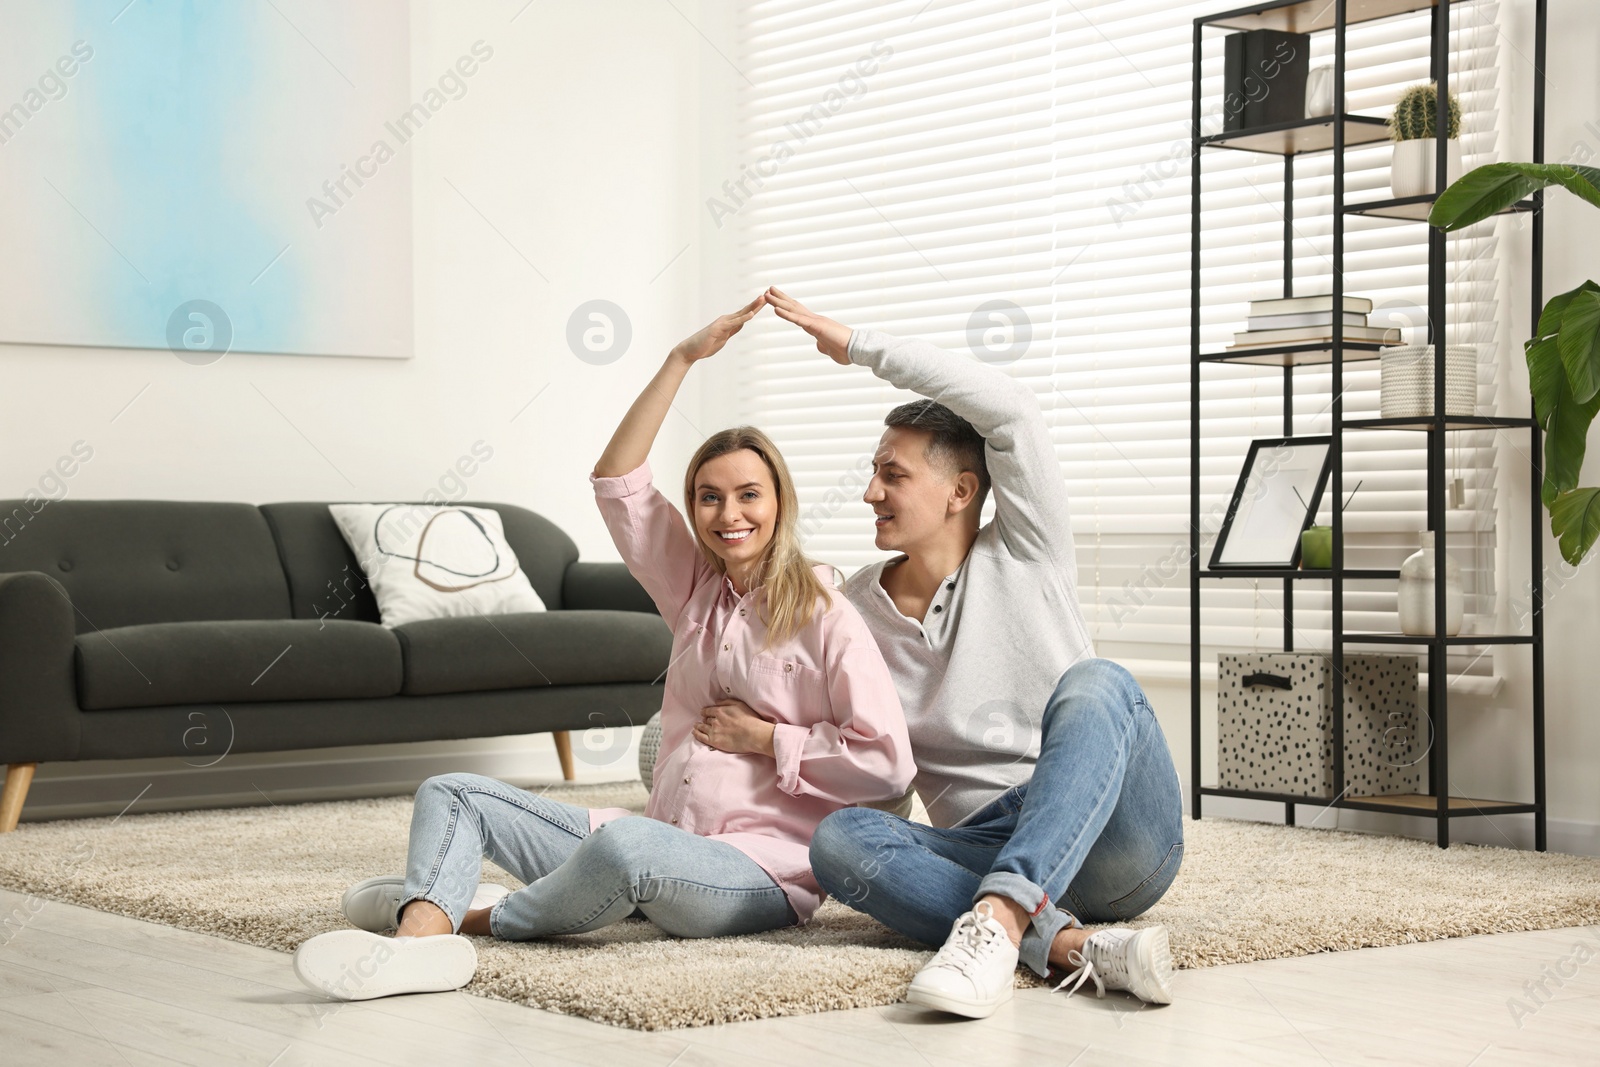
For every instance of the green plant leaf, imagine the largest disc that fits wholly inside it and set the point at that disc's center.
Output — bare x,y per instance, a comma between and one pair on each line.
1478,194
1485,190
1582,182
1547,378
1575,521
1579,339
1566,436
1550,317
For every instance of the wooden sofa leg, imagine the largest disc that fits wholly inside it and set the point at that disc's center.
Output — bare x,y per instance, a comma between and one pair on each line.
18,777
563,752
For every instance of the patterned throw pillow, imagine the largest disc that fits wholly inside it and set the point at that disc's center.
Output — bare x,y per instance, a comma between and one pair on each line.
435,562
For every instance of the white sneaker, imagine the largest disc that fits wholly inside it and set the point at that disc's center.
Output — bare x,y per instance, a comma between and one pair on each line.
973,973
1136,961
357,965
373,904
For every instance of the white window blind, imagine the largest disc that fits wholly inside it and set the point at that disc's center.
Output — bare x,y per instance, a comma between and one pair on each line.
908,163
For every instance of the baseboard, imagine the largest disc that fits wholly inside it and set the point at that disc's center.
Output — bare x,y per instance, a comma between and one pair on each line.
1569,836
108,787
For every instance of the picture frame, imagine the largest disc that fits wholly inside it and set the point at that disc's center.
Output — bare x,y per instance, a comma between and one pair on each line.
1275,499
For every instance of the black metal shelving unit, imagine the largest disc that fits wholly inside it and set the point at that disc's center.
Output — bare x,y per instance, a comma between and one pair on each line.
1334,133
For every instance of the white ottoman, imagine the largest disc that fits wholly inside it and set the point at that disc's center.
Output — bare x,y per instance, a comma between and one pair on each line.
649,745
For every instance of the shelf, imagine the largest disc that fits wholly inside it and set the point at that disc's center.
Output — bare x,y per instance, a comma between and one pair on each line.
1313,354
1301,136
1353,637
1395,803
1416,208
1421,804
1309,16
1451,422
1324,574
1357,136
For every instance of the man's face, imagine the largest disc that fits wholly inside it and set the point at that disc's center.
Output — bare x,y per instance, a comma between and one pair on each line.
909,496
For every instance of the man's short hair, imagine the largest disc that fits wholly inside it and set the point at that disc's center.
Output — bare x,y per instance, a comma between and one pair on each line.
952,442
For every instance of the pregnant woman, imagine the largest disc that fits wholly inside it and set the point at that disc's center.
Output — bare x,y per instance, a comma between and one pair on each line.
777,711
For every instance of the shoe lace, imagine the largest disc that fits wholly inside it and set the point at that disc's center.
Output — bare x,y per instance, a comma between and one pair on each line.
967,942
1102,960
1109,950
1085,971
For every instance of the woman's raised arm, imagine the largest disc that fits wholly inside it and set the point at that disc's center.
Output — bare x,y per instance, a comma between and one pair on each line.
630,445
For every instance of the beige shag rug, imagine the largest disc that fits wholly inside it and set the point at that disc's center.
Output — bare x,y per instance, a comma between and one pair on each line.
1247,891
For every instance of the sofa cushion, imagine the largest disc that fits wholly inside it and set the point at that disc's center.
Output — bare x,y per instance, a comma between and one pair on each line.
126,562
161,664
325,578
604,586
533,649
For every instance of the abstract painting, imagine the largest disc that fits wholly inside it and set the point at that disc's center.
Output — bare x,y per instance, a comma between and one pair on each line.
207,175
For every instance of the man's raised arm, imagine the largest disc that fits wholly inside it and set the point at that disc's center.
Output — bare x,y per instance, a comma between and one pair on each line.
1030,495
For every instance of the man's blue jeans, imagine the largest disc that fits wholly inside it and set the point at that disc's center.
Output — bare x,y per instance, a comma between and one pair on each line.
1095,836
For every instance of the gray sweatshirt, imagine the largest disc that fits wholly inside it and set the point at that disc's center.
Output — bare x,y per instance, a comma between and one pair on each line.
975,674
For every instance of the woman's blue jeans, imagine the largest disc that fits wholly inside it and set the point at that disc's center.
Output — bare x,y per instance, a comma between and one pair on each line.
1095,836
689,886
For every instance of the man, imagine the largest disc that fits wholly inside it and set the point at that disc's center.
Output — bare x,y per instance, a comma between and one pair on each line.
1052,795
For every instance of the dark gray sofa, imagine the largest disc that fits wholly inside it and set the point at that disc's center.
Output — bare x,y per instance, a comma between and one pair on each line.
163,628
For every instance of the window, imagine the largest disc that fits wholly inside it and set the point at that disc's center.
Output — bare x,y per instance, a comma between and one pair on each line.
1012,180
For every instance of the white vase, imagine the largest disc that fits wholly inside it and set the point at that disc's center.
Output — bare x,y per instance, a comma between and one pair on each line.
1319,91
1411,168
1417,575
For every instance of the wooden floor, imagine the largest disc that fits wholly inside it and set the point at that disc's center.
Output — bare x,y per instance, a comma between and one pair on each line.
82,987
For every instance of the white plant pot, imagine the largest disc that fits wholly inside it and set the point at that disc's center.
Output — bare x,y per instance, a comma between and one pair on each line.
1405,381
1411,170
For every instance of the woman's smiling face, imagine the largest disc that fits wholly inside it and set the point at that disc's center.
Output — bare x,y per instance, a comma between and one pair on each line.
736,508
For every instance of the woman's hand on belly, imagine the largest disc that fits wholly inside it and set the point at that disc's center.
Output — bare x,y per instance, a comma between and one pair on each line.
730,726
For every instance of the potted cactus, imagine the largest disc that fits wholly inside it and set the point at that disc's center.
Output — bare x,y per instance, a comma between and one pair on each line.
1414,129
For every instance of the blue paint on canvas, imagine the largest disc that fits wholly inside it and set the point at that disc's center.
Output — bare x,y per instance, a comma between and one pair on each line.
174,137
176,158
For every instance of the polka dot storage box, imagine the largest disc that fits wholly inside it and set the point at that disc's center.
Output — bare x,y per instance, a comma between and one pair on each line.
1275,727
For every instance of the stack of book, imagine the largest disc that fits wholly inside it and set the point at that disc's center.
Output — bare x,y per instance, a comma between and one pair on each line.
1306,320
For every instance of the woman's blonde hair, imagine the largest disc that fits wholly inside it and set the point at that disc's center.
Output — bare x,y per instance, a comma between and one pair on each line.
790,587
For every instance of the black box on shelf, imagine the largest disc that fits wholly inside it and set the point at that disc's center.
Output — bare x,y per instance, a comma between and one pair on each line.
1264,78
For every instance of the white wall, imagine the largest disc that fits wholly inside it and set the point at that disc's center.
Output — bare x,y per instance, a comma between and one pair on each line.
579,144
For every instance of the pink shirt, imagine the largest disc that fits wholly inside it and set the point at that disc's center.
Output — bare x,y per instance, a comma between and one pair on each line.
840,737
